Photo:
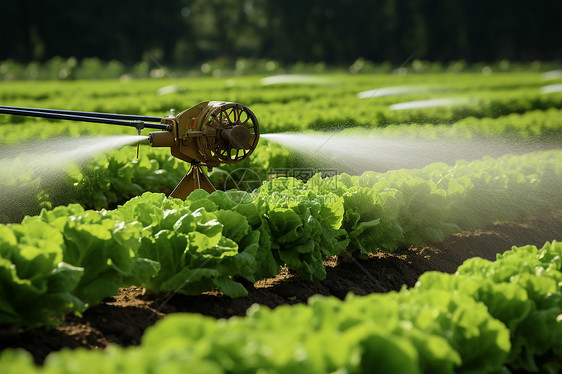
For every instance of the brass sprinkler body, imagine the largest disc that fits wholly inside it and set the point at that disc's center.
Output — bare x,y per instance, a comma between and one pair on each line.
208,134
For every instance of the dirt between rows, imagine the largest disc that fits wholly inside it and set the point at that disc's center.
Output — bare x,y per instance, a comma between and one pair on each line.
122,319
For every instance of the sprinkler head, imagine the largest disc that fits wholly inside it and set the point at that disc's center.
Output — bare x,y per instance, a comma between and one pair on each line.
208,134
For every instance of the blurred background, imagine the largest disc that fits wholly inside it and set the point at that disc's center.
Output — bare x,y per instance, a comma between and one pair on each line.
184,34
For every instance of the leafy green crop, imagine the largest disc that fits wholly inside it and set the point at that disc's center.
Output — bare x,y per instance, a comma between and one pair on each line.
210,241
522,288
104,248
414,207
36,285
489,317
304,225
195,248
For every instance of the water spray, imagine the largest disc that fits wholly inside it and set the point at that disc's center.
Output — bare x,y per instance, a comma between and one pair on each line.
208,134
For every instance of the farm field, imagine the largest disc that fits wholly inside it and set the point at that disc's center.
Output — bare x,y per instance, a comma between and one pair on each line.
102,254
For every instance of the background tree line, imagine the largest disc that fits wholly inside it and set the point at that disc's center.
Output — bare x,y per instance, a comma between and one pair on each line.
184,32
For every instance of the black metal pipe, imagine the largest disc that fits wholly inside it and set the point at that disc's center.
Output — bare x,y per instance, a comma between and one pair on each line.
70,117
131,117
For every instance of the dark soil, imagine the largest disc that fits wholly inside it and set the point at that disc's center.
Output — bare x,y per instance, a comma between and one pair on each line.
123,318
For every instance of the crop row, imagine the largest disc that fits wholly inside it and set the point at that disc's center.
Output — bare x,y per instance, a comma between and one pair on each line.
102,182
534,123
333,103
342,111
337,113
252,89
528,125
488,317
112,178
68,258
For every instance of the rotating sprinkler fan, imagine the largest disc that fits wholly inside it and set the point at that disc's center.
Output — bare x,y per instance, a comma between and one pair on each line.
208,134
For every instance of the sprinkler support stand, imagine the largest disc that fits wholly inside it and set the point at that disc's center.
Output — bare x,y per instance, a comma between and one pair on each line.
194,179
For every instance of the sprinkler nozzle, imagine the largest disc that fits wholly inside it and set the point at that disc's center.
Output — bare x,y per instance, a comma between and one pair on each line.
238,136
161,139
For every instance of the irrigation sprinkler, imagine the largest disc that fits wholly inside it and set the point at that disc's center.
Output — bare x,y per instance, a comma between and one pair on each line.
208,134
